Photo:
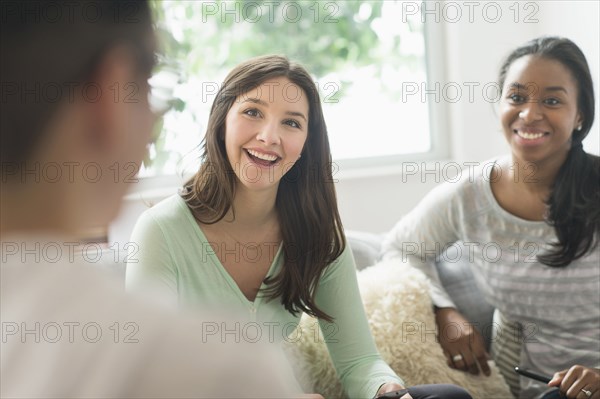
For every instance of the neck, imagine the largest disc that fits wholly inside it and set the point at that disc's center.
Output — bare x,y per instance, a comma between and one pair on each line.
253,208
535,177
36,211
21,212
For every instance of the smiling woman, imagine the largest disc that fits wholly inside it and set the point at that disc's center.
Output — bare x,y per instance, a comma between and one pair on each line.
257,228
539,208
253,112
266,131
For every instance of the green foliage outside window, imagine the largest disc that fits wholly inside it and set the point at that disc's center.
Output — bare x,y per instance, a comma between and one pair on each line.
206,39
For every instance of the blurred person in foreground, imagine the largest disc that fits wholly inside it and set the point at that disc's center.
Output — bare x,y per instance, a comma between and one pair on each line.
74,114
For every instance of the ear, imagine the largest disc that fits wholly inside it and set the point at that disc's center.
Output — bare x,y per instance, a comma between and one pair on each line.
578,120
106,98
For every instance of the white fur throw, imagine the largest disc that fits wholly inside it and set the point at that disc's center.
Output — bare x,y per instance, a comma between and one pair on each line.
392,294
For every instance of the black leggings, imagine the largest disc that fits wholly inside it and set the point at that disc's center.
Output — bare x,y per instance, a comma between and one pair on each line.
436,391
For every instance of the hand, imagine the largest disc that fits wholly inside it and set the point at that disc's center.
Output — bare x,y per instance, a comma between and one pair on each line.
573,381
463,345
391,387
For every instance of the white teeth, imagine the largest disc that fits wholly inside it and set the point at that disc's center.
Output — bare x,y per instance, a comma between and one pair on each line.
529,136
264,157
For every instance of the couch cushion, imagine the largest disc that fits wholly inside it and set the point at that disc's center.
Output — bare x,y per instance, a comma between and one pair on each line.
400,315
365,247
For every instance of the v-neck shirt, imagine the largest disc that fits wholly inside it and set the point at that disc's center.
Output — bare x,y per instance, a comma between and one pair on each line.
174,259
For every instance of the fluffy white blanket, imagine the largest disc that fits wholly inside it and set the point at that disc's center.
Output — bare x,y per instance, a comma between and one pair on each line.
393,294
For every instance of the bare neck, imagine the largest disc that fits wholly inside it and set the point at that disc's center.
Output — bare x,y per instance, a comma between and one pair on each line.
535,178
23,213
253,208
45,210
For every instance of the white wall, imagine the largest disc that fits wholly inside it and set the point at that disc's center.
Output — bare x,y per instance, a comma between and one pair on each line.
471,52
474,52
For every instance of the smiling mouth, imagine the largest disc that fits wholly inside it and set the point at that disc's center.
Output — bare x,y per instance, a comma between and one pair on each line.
530,136
261,158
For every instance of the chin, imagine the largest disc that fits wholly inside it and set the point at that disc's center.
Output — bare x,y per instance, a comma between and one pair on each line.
260,185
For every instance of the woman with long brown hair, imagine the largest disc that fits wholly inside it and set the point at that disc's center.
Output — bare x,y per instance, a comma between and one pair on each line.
257,228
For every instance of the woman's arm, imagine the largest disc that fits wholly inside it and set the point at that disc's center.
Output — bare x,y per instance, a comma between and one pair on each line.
418,239
421,235
348,338
150,267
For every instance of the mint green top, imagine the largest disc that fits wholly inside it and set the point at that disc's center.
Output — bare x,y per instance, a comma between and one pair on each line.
173,256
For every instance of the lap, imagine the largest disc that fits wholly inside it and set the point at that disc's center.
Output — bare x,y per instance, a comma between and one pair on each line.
438,391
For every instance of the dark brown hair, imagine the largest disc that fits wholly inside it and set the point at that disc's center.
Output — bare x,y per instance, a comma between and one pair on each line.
573,203
48,50
306,202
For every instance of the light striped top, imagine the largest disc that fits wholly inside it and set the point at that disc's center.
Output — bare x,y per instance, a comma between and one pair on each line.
558,308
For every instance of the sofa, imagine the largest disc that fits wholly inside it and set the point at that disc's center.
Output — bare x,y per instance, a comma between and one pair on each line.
400,315
456,278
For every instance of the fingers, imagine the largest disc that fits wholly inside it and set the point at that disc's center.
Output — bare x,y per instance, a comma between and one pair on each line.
557,378
390,387
472,359
472,365
482,360
463,345
457,361
580,382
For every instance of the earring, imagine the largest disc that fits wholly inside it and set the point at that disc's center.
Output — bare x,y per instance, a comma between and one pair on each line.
579,128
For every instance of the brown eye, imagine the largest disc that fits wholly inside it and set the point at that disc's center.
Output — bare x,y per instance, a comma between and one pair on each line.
516,98
292,123
252,112
552,101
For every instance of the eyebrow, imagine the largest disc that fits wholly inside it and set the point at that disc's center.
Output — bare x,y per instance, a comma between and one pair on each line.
263,103
520,86
556,88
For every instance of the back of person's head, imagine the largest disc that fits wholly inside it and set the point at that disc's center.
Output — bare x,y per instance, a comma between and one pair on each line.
48,48
573,204
79,65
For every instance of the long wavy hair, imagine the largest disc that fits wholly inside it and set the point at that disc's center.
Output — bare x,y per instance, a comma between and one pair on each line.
306,203
573,208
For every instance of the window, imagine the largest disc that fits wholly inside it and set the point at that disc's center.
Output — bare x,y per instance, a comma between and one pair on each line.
367,59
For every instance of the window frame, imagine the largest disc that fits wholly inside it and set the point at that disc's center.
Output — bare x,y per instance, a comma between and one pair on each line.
439,125
435,59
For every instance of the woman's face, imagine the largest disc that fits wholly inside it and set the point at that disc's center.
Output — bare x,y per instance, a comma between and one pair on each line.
538,109
265,131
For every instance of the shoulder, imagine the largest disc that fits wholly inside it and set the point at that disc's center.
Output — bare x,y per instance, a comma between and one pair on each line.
172,212
468,190
171,208
450,206
168,224
340,266
595,162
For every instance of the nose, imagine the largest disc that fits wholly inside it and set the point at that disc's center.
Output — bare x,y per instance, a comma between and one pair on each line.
531,112
269,134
